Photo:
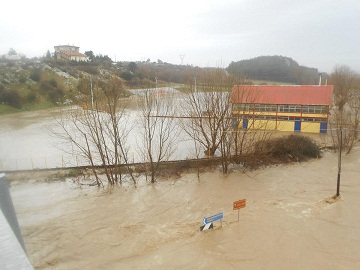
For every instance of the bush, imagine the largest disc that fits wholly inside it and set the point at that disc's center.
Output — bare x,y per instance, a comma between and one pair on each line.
292,147
45,87
31,97
89,69
22,78
35,75
127,75
53,82
56,94
11,98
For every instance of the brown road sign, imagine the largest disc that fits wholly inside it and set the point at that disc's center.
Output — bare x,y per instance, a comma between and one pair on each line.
239,204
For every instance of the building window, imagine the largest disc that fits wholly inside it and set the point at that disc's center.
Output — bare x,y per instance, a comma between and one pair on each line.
317,120
283,118
265,117
315,109
265,108
289,108
243,107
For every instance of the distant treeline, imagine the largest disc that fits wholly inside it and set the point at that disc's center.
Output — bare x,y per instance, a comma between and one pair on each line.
275,69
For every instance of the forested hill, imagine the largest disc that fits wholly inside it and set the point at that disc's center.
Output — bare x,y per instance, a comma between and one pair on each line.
274,68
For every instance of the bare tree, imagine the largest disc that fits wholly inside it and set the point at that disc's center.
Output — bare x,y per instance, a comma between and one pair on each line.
159,131
257,126
208,114
98,131
343,79
346,112
208,108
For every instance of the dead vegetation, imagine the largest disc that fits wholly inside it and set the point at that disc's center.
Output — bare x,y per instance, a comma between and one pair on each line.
287,149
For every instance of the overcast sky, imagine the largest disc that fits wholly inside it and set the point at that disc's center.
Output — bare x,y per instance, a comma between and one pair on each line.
315,33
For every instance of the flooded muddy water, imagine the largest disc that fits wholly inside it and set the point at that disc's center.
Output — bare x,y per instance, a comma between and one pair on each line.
25,141
287,223
28,142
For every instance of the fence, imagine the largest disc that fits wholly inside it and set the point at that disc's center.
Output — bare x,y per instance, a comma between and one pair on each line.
36,163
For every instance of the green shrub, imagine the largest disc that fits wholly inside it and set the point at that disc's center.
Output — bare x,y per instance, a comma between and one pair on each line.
53,82
89,69
73,173
11,98
22,78
56,94
45,87
127,75
292,147
35,75
31,97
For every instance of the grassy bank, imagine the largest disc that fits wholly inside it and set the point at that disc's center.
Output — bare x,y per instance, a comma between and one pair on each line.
6,109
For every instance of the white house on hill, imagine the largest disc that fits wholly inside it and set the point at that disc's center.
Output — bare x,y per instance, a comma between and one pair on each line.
68,52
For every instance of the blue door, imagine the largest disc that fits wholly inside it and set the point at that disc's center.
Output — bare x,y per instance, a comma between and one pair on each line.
323,127
297,126
245,123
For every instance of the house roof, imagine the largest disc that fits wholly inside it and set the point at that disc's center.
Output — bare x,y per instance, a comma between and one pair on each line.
283,94
67,46
73,53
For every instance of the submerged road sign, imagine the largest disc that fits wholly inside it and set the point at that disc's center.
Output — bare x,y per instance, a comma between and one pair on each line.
239,204
206,227
213,218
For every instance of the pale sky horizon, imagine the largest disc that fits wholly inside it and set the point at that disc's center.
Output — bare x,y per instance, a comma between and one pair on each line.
315,33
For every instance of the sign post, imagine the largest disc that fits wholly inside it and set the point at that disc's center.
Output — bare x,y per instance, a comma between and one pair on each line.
239,204
208,221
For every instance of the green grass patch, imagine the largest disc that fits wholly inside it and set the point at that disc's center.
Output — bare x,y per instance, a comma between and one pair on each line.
39,106
5,109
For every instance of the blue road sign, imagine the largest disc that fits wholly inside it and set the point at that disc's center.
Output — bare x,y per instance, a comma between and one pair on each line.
213,218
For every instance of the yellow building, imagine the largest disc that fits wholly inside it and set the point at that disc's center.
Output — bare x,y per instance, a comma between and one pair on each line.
299,108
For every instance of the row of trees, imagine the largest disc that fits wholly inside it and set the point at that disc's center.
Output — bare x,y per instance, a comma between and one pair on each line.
100,133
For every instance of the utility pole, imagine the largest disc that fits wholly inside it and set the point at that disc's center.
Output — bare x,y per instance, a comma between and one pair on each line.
339,165
92,94
195,85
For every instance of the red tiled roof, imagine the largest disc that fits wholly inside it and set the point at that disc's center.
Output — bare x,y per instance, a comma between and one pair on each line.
283,94
73,53
68,46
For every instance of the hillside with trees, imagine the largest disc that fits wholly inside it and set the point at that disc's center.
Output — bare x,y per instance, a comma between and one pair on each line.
27,84
275,69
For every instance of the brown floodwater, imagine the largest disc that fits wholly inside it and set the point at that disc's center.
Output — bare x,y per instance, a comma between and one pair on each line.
28,140
287,223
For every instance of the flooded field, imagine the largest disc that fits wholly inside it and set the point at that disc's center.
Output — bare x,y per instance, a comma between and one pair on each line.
287,223
27,140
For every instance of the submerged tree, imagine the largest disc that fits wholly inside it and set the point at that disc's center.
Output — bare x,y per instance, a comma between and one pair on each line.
159,131
257,128
208,108
215,119
207,111
98,131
